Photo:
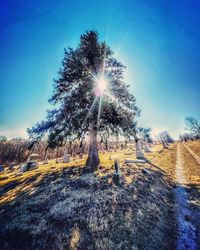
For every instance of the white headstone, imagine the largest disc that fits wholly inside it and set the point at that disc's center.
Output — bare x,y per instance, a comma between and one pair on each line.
23,168
66,157
45,161
139,153
146,148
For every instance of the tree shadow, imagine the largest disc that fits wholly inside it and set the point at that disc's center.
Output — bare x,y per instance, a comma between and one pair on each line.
73,208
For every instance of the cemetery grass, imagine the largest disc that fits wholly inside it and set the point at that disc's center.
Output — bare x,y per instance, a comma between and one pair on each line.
60,206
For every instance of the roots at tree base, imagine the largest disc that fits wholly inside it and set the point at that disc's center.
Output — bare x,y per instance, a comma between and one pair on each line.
93,160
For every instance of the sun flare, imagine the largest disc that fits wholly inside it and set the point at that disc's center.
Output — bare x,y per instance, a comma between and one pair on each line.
101,85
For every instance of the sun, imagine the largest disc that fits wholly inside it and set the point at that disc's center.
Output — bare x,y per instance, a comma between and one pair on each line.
101,85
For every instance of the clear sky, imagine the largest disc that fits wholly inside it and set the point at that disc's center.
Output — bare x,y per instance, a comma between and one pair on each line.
158,41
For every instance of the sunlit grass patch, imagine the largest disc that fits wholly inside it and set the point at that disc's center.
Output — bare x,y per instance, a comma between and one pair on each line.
164,159
80,209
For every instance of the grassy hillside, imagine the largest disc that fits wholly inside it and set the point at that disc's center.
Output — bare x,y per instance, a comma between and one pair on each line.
59,206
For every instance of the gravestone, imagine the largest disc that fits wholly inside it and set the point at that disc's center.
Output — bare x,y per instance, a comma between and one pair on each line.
23,168
117,167
32,161
139,153
117,174
134,161
146,148
45,161
11,166
66,157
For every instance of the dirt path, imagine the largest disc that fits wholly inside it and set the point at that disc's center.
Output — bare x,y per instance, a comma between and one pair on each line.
186,230
197,158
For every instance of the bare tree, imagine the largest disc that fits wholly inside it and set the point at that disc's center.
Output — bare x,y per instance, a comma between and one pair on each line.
186,137
193,125
164,136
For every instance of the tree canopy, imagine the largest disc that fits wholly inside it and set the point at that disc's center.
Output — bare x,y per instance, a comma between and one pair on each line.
3,138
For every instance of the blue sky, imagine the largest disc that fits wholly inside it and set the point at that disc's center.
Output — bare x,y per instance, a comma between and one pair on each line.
158,41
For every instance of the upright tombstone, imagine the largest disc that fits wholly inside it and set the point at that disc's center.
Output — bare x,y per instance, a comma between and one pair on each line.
23,168
117,167
146,148
11,166
66,157
81,155
32,161
45,160
139,153
117,174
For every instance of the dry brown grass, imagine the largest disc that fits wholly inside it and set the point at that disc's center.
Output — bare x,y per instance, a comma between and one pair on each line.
58,206
192,167
165,159
195,146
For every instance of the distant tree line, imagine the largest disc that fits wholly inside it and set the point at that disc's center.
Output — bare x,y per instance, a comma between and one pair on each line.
19,151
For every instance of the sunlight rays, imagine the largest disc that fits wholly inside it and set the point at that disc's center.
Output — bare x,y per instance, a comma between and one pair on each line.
100,85
99,111
101,89
90,110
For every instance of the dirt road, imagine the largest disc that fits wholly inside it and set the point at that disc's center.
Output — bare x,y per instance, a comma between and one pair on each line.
181,164
184,215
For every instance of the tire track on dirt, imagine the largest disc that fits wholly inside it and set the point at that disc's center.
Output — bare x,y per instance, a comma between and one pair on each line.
197,158
186,230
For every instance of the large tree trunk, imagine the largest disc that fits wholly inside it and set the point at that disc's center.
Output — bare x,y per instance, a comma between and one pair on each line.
93,161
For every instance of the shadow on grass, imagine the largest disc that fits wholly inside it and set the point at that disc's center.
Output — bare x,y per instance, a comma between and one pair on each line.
72,209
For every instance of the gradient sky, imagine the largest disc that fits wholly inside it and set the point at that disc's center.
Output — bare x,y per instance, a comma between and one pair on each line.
158,41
